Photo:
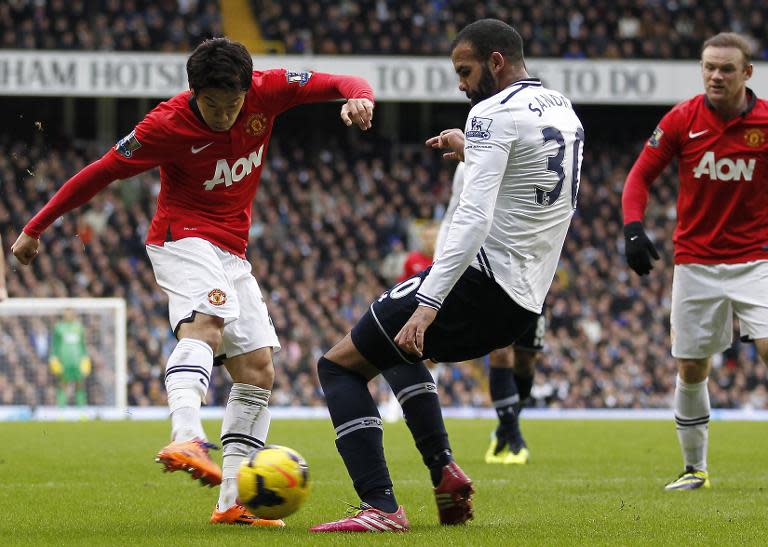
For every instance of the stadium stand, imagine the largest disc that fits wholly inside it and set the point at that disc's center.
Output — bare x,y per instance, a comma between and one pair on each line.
562,28
649,29
331,218
325,221
115,25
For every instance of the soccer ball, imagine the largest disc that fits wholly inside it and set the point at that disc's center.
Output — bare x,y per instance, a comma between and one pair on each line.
273,481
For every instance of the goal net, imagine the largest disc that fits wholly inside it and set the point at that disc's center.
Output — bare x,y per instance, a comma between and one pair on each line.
51,348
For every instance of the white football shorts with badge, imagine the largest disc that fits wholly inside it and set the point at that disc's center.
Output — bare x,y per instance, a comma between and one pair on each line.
200,277
705,298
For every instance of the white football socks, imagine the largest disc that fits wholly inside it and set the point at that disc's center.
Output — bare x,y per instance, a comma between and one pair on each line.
187,376
245,427
692,420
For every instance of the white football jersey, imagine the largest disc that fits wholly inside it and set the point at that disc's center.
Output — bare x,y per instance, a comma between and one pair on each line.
456,188
523,151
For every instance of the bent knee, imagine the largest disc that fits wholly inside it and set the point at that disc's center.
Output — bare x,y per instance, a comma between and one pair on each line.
206,328
345,355
327,369
211,337
693,371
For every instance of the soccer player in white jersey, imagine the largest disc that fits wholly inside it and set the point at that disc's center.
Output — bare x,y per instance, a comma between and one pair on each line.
511,370
523,155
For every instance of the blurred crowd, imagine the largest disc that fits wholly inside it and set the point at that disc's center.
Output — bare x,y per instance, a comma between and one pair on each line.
110,25
608,29
330,230
333,221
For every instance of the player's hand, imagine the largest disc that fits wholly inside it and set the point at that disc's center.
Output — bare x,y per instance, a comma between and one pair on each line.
85,366
411,336
25,248
56,366
3,294
450,139
638,248
358,112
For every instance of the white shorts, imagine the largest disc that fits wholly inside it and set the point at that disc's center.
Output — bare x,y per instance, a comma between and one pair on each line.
704,299
200,277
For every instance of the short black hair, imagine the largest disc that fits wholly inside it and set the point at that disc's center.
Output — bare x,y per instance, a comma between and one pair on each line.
489,35
220,63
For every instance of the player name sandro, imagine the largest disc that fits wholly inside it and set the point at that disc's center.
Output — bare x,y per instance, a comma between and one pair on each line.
548,100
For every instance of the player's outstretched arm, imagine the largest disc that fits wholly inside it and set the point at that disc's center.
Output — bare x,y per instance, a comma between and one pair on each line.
75,192
358,112
450,139
25,249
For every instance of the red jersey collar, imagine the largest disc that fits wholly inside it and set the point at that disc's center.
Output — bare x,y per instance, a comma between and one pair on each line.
751,101
196,110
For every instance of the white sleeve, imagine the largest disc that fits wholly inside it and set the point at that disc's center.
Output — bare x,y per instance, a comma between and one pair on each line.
490,134
456,188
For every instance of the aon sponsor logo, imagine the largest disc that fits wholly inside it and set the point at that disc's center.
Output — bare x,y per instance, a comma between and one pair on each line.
724,169
227,175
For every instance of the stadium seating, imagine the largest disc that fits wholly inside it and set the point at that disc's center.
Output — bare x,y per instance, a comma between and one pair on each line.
550,28
115,25
322,230
330,220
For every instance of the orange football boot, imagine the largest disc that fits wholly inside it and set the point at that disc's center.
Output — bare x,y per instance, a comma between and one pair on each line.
237,514
191,456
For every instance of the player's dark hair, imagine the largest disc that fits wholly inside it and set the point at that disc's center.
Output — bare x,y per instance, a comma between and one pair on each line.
220,63
730,39
489,35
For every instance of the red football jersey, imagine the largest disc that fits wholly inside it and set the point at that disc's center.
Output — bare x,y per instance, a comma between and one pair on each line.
722,203
414,263
208,179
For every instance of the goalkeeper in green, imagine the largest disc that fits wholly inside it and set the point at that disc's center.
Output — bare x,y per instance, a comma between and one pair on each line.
69,359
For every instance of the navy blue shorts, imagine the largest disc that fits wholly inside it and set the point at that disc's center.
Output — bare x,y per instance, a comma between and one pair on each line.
476,317
533,339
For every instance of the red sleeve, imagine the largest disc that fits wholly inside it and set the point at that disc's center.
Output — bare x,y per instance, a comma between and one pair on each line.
655,156
285,89
142,149
75,192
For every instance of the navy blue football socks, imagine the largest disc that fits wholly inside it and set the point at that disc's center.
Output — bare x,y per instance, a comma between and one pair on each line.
506,400
359,433
416,392
524,386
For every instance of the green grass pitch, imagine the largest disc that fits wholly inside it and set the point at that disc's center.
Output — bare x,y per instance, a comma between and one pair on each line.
589,483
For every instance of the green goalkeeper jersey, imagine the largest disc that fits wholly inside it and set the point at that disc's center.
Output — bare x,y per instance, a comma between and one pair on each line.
69,344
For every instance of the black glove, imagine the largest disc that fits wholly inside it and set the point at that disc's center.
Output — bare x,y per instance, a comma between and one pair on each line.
638,248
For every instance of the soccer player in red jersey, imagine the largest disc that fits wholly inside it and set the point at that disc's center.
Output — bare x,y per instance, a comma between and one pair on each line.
720,140
210,143
420,259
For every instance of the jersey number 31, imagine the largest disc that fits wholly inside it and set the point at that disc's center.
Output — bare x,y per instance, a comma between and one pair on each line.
555,164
